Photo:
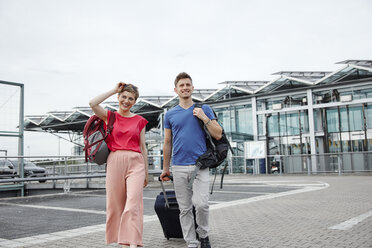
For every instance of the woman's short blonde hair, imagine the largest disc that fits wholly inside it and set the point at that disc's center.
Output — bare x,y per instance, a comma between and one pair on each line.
132,89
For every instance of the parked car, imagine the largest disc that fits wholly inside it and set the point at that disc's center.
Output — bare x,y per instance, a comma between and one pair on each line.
7,169
31,169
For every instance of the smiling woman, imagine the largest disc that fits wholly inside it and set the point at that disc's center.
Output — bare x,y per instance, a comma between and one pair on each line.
127,97
127,160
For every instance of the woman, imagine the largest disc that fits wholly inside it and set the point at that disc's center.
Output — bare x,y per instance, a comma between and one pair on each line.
127,167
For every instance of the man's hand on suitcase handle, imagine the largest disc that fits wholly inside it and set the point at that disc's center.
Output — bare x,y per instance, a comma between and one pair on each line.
165,176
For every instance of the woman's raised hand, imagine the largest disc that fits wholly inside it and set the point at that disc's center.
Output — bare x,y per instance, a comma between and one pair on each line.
119,86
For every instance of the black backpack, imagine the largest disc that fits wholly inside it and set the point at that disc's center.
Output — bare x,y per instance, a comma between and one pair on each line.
216,150
216,153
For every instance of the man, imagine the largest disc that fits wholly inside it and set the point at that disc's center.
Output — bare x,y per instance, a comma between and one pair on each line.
183,133
276,162
276,159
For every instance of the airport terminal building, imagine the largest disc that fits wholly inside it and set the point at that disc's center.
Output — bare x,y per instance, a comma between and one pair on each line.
318,121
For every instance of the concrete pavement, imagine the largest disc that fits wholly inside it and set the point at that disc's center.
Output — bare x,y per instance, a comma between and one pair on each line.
270,211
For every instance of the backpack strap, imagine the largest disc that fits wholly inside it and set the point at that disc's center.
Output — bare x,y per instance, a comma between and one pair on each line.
87,126
110,124
204,128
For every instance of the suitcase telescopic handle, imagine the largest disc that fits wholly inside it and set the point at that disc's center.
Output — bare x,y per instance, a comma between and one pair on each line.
170,177
165,193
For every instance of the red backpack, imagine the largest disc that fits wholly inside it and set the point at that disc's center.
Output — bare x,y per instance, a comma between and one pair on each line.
94,135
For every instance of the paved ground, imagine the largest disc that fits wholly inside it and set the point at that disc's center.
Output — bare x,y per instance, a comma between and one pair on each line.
250,211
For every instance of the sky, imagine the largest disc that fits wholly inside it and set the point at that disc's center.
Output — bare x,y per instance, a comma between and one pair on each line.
67,52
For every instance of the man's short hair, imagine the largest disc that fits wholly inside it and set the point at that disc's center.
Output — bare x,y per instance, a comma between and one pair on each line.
180,76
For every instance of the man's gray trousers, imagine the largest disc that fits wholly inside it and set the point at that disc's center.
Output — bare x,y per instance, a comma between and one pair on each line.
187,196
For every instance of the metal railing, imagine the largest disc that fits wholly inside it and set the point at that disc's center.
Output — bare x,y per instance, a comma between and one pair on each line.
69,168
346,162
65,168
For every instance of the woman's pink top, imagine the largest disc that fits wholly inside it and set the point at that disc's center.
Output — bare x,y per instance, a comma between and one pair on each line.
126,132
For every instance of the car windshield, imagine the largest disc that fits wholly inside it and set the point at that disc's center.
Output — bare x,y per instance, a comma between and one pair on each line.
27,163
6,164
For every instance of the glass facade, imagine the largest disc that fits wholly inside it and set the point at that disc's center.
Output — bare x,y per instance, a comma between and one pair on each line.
346,128
283,101
236,121
326,96
237,124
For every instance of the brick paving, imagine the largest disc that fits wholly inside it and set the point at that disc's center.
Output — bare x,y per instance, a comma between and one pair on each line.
301,218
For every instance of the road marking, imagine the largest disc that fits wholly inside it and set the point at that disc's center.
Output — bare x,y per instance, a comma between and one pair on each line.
266,197
52,195
43,238
55,208
149,198
88,195
240,192
346,225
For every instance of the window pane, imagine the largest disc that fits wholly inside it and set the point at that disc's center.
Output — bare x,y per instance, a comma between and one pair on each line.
260,125
272,125
344,120
293,127
332,120
334,143
244,120
356,118
304,122
369,116
224,118
282,125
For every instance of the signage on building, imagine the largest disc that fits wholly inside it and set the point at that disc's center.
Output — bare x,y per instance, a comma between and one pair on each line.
255,149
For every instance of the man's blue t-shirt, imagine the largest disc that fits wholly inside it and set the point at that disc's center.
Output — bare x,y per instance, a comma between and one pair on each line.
188,139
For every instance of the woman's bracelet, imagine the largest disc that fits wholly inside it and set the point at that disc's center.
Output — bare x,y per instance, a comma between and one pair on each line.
208,122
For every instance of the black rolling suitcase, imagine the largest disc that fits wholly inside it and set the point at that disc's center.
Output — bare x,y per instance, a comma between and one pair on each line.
166,207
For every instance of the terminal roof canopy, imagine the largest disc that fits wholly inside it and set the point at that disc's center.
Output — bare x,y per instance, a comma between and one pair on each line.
232,89
309,76
151,107
292,79
366,63
355,69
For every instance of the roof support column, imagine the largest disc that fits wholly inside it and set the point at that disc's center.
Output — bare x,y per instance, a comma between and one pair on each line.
21,136
254,119
311,130
255,133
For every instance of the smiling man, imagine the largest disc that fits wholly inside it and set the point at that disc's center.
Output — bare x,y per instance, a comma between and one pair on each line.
183,133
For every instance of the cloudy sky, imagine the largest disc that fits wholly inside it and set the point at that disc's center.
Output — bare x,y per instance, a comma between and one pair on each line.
66,52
